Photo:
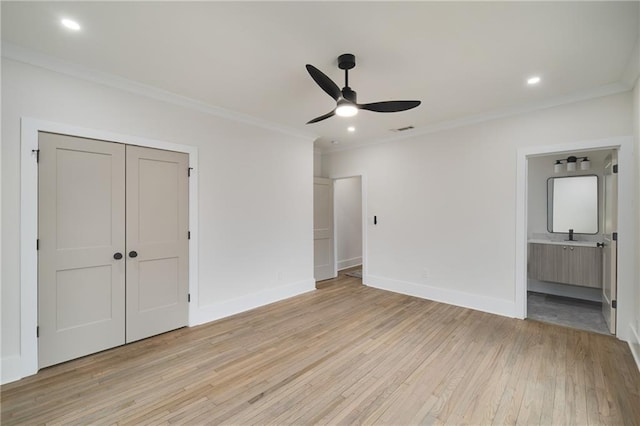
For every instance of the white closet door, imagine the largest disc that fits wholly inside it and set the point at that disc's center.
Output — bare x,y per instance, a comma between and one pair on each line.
157,242
81,226
323,250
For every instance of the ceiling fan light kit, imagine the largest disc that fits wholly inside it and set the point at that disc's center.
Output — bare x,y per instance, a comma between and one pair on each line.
346,109
346,98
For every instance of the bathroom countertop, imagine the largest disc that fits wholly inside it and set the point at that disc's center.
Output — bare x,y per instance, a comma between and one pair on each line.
565,243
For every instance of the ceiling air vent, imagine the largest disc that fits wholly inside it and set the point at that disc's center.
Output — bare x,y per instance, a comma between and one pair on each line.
402,129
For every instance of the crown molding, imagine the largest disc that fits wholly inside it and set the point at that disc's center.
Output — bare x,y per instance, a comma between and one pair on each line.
597,92
30,57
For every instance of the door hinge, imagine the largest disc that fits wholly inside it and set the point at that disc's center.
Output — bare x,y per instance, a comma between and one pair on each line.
188,235
37,331
38,244
37,152
188,297
189,171
615,168
614,304
614,236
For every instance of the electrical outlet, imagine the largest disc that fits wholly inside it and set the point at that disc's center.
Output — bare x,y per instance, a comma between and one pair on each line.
281,276
425,274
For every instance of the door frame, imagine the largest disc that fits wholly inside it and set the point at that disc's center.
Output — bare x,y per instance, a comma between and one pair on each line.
364,223
335,228
626,224
30,128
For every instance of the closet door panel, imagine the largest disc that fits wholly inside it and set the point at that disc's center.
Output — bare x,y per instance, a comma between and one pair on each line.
157,243
81,225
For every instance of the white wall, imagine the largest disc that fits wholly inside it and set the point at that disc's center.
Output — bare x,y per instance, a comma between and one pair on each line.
348,216
255,191
317,163
446,202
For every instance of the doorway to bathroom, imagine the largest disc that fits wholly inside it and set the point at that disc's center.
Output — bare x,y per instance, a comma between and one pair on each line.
571,239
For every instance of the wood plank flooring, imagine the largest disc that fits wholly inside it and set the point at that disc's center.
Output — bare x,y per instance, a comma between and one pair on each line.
343,354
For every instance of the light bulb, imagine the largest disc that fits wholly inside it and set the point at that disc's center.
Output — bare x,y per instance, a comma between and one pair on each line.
346,109
557,168
533,80
71,24
585,164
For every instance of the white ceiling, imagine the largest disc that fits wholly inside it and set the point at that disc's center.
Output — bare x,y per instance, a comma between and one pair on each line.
461,59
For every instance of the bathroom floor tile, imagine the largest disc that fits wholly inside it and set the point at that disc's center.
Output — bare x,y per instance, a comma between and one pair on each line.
581,314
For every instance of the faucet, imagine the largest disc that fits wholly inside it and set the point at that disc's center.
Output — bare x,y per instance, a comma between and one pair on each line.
570,234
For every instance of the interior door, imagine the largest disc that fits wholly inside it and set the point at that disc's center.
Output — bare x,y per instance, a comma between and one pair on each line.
157,241
323,247
81,228
610,249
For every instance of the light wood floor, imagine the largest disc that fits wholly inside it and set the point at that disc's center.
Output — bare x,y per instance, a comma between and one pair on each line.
343,354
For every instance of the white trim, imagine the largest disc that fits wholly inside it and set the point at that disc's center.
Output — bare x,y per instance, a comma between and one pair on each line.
626,222
11,367
597,92
452,297
30,57
349,263
231,307
634,345
29,224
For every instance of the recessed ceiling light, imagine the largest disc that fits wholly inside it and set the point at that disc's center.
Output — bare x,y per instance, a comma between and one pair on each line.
351,129
533,80
70,24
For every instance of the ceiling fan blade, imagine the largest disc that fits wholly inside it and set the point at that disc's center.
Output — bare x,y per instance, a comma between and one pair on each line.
324,82
390,106
322,117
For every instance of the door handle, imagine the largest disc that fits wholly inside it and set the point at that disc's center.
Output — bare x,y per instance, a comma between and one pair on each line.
133,253
117,256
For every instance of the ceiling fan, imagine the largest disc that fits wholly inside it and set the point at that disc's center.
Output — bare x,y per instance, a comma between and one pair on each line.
347,105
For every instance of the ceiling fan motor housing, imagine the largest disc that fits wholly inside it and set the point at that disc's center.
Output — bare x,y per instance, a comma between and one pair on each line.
349,95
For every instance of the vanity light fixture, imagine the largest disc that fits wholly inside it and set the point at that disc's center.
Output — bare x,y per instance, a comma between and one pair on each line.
585,164
571,163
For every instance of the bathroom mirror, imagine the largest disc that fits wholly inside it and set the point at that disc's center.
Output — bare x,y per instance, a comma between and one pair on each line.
572,203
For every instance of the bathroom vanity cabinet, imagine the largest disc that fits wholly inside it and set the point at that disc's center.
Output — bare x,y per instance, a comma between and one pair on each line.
566,263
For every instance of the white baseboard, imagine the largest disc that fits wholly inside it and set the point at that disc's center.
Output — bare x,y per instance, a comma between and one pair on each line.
502,307
634,344
227,308
11,369
348,263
